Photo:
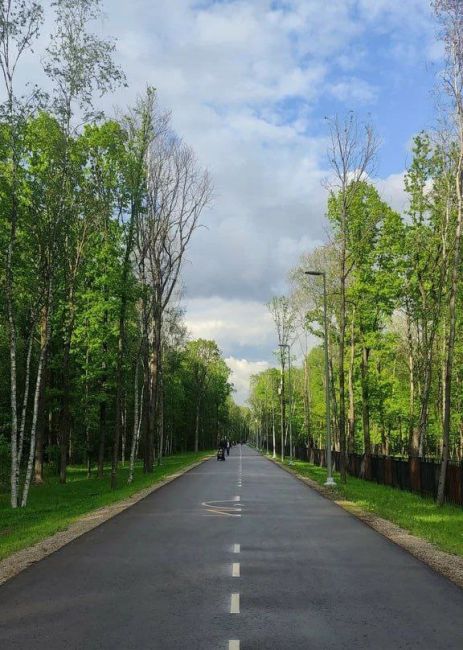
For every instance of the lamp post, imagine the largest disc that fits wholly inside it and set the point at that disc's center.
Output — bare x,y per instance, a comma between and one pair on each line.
290,390
330,482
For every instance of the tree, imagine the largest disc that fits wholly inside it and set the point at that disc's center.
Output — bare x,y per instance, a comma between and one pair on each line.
283,314
450,15
142,126
78,63
177,192
206,368
19,28
351,155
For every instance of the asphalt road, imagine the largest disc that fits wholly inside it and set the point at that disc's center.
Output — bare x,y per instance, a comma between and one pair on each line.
298,572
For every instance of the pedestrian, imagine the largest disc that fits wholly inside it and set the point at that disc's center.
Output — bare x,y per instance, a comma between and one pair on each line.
228,447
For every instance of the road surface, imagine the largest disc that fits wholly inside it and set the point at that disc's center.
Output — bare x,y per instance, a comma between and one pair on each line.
231,555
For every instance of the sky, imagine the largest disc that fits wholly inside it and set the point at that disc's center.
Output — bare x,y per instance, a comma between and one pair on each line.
250,84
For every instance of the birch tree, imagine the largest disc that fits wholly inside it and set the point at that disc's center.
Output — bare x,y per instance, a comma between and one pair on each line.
79,64
20,23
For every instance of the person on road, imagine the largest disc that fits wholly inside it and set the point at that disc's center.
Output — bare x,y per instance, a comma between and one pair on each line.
228,447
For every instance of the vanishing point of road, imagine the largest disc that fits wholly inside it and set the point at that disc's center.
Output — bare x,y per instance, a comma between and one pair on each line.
232,555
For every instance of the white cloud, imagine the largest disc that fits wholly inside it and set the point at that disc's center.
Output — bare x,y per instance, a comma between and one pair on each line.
231,323
354,90
393,192
242,371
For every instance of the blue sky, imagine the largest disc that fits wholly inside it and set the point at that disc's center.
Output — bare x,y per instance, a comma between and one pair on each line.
249,83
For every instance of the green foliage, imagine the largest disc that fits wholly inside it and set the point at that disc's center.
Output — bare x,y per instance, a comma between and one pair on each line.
396,288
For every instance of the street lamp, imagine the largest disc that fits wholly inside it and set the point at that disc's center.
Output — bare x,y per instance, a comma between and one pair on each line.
330,482
288,347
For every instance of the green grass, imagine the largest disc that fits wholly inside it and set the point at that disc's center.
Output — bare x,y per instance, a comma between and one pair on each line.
52,507
443,527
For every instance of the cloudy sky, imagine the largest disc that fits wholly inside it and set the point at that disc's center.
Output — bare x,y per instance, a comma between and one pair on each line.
249,83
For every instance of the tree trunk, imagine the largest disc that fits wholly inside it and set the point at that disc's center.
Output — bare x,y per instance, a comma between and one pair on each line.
160,413
365,400
342,337
413,437
198,401
282,412
124,432
351,423
121,345
427,382
154,364
38,390
12,345
38,463
451,334
145,408
30,463
136,424
44,340
334,424
307,419
27,382
65,414
102,444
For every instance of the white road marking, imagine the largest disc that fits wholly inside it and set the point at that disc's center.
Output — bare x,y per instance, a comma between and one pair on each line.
236,498
233,645
236,548
215,512
235,604
220,508
236,570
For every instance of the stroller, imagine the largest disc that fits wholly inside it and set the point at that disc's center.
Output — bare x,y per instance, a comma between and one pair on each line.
220,453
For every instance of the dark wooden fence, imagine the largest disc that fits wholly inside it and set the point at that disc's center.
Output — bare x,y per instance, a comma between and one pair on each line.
412,474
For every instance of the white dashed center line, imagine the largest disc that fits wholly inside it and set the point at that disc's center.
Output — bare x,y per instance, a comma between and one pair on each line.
236,570
236,548
236,498
235,604
233,645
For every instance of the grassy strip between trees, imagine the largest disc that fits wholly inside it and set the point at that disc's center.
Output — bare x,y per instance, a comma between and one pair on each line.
52,507
442,526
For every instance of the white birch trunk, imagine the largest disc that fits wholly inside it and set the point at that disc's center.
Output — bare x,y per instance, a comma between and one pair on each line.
136,425
38,386
26,398
30,463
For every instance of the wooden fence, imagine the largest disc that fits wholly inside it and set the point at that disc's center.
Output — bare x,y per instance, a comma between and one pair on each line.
411,474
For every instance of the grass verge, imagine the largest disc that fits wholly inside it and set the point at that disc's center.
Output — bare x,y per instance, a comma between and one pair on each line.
420,516
52,507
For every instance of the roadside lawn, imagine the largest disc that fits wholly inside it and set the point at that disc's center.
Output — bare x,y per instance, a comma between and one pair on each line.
443,527
52,507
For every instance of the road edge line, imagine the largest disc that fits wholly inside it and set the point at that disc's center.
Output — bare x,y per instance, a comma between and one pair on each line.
445,564
17,562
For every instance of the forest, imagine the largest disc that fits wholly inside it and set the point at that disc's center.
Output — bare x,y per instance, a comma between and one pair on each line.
394,298
96,214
